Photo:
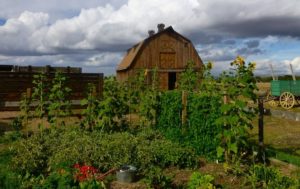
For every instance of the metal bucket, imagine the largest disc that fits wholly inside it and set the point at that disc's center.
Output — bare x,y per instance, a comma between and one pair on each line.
126,174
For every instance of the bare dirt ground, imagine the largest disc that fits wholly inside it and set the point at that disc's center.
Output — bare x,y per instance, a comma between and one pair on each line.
6,118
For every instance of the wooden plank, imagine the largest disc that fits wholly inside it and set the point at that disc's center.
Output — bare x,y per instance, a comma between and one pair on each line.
13,84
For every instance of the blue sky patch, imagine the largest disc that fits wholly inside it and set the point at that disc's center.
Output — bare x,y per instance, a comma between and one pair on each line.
2,21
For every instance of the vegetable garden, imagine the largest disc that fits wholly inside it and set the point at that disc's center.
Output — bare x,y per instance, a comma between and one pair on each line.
205,120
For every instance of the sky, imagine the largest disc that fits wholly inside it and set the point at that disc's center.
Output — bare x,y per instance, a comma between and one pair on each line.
95,34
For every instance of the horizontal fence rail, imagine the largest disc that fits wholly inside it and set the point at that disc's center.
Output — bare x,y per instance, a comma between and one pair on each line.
14,84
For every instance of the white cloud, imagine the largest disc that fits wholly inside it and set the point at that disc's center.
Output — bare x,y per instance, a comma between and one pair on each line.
280,67
17,33
107,28
215,53
90,62
104,28
104,60
58,9
100,30
2,58
295,65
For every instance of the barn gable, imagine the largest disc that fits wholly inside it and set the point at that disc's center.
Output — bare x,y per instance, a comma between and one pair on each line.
167,51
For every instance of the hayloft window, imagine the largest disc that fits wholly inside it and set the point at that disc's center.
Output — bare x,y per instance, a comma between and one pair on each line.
167,60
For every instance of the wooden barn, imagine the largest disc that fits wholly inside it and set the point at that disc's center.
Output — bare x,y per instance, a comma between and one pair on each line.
166,51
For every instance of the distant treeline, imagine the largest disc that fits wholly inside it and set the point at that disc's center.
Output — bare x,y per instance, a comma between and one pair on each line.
269,78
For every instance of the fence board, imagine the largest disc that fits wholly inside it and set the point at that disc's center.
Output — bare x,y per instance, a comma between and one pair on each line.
13,84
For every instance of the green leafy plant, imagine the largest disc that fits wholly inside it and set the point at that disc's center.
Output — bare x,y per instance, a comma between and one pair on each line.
203,104
58,179
201,181
90,113
157,179
189,78
149,101
261,176
147,150
200,132
106,114
59,103
8,178
25,115
17,124
236,118
40,94
113,107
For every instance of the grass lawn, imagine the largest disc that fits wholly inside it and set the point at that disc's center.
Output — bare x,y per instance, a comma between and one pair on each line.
281,138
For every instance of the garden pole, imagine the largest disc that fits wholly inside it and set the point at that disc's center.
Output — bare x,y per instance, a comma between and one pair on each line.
28,98
184,108
261,153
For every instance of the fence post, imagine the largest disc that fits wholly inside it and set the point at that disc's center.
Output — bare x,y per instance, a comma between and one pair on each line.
184,107
28,97
29,68
225,101
261,152
100,85
28,93
94,92
48,69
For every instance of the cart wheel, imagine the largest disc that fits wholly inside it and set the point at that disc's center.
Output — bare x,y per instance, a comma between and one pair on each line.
272,101
287,100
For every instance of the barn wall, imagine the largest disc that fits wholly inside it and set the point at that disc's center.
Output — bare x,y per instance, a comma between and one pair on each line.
167,52
122,75
167,43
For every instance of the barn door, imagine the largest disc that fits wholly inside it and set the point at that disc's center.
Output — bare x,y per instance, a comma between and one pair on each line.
171,80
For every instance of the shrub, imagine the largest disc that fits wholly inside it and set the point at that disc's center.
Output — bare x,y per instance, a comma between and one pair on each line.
201,181
8,179
169,114
107,114
31,155
59,103
200,131
43,154
262,176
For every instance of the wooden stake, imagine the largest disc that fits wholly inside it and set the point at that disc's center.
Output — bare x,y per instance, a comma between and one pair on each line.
28,93
184,108
225,99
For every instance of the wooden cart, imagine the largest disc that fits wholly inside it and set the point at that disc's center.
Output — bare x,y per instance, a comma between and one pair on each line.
286,93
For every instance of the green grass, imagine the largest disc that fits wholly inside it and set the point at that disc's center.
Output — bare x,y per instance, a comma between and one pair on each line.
284,156
279,133
281,138
8,179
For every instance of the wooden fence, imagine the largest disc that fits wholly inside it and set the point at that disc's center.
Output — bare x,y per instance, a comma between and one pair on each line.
13,84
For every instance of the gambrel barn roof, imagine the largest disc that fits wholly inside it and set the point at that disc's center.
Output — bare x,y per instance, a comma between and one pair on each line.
134,51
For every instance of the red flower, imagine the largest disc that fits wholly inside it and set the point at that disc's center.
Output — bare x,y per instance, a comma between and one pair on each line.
85,172
76,166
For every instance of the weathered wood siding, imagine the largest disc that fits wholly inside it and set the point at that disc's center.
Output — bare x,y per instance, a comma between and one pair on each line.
165,49
167,52
13,84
